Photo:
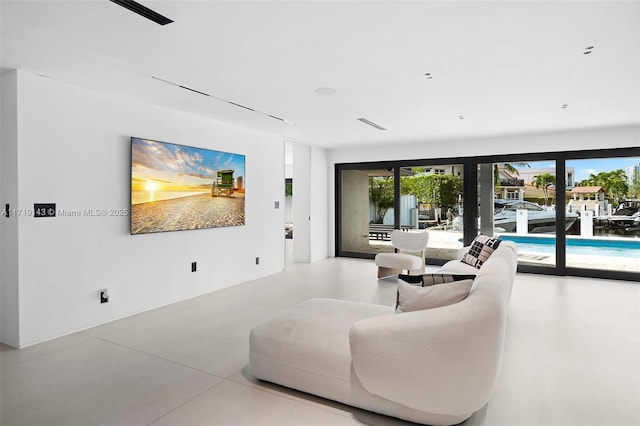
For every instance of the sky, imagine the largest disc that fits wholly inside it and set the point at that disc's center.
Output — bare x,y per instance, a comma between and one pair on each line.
159,166
583,168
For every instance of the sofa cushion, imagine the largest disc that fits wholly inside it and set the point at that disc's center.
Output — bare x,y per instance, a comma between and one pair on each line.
457,267
426,280
481,248
414,298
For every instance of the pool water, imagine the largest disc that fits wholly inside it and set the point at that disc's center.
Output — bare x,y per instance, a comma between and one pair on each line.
629,248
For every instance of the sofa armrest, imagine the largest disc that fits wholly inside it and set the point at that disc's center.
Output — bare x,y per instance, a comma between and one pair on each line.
442,360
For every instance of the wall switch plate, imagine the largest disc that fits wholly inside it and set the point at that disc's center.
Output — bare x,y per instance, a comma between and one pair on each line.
44,210
104,296
194,266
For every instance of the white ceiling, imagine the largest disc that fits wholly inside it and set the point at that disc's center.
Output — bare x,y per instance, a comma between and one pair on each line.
505,66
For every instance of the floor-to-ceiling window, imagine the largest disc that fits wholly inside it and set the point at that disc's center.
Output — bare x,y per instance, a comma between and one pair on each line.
375,200
574,213
518,203
605,196
367,216
431,197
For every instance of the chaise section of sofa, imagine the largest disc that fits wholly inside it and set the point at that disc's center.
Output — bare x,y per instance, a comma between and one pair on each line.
306,347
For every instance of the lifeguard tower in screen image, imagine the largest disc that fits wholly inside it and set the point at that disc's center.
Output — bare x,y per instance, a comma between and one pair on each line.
223,184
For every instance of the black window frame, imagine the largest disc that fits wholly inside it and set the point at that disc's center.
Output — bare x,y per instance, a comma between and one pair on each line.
470,197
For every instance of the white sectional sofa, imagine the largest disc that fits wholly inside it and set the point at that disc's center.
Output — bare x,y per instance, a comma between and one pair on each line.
436,366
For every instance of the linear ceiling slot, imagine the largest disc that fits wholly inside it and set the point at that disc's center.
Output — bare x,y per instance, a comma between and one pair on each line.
371,123
220,99
165,81
241,106
143,11
194,90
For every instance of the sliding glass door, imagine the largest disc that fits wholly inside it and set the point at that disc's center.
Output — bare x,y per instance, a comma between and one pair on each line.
431,198
605,197
518,203
575,213
367,210
373,201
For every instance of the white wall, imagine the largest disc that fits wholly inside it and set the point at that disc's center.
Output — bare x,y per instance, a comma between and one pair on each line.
74,150
301,203
311,189
587,139
288,159
9,320
319,190
614,137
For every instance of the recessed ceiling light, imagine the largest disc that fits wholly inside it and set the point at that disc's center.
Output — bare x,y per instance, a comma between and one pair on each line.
326,91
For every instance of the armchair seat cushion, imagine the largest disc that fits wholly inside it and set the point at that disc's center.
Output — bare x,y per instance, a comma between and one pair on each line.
398,261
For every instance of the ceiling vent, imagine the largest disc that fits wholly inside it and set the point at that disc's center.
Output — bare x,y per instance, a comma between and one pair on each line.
143,11
371,123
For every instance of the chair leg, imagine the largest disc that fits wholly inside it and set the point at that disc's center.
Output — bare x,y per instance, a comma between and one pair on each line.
384,272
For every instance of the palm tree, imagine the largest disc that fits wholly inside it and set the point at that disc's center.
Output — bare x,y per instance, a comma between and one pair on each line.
614,184
509,167
544,181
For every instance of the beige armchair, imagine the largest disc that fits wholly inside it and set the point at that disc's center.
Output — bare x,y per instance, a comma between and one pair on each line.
395,263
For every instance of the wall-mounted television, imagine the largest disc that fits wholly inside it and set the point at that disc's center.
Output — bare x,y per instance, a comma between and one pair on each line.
177,187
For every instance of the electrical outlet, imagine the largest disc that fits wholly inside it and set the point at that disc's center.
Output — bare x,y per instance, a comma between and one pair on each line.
104,296
194,266
257,260
276,204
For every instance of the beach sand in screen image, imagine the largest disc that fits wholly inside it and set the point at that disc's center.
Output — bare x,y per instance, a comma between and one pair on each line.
194,212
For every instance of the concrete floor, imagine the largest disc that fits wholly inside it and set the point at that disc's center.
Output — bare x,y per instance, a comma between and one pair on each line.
572,357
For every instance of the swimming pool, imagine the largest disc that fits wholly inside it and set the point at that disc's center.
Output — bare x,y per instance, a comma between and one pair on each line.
614,247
